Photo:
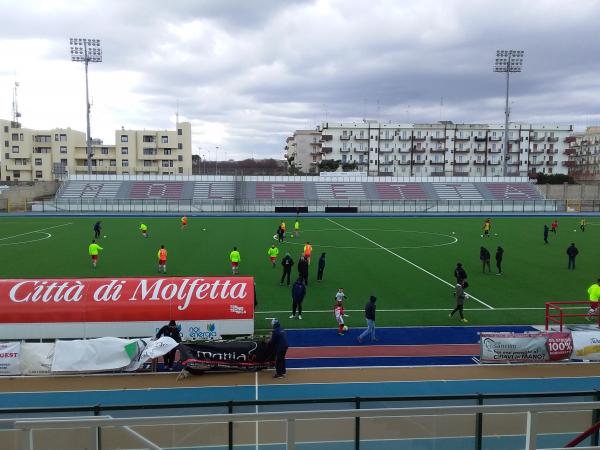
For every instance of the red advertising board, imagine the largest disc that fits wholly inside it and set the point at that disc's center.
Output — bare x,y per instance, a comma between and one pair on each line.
126,299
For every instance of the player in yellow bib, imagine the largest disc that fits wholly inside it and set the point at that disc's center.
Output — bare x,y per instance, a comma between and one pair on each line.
273,252
594,295
94,250
297,228
487,227
144,229
235,259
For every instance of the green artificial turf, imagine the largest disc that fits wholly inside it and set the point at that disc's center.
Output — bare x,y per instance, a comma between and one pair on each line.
534,273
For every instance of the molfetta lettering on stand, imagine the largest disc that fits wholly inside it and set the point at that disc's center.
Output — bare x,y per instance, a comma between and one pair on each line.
132,307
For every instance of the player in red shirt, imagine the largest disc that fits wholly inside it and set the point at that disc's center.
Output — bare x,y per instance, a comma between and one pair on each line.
554,226
184,222
338,312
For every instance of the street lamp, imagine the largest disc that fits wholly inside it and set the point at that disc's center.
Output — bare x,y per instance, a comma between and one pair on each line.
508,61
86,51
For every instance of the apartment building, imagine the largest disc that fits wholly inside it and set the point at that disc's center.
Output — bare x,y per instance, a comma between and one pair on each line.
447,149
43,155
585,148
305,147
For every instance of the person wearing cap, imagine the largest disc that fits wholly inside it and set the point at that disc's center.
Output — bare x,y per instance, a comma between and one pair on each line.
287,262
370,316
171,330
321,267
279,346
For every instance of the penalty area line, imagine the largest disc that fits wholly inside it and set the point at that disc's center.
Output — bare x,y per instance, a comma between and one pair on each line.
36,231
405,260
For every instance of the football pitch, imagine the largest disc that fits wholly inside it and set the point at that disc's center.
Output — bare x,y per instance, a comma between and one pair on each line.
407,262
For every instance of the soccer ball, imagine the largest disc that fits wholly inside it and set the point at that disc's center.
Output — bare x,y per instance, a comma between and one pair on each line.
453,232
495,234
203,229
574,231
345,328
482,235
105,236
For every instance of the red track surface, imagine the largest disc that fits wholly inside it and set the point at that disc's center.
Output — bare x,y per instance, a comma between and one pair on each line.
383,350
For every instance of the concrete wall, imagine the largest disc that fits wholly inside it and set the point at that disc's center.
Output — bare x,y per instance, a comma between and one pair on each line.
570,191
16,197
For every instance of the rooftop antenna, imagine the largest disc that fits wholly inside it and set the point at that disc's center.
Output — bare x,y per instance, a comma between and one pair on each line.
16,113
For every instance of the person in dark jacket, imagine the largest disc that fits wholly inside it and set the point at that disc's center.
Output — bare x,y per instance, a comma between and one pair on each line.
460,274
460,301
287,262
572,252
298,293
303,269
370,316
97,229
499,256
484,256
279,346
171,330
546,229
321,267
280,234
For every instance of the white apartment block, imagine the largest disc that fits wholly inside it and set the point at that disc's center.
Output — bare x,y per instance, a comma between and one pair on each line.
586,155
447,149
305,147
44,155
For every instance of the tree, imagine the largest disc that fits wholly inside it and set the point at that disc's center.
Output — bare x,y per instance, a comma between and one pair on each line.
557,178
329,165
292,168
349,166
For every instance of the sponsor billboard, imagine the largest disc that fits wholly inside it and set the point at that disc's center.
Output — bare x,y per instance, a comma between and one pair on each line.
96,307
525,347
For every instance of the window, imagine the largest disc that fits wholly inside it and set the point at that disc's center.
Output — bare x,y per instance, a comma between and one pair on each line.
168,151
179,158
63,138
180,146
15,149
180,170
149,151
125,163
38,174
7,155
38,161
124,150
6,128
56,137
124,138
148,138
147,163
63,149
64,162
179,132
164,139
344,158
113,163
16,174
167,163
15,137
6,144
21,136
104,150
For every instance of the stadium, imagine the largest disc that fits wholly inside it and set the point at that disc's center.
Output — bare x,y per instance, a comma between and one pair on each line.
395,239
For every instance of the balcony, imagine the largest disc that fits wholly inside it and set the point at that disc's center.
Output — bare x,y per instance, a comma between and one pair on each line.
515,150
404,138
494,163
513,163
386,138
438,139
537,138
552,139
570,139
419,150
568,163
327,149
419,138
21,167
460,174
495,138
480,150
345,150
536,151
479,163
386,163
437,174
462,150
536,163
437,150
551,163
345,137
317,153
436,163
463,138
570,152
404,163
143,169
494,151
386,150
361,138
480,139
359,150
326,137
461,163
418,163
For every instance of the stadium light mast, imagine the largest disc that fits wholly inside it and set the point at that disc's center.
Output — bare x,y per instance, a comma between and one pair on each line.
86,51
508,61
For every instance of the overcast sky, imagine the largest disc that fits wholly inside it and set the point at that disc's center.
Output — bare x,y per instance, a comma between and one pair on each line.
248,73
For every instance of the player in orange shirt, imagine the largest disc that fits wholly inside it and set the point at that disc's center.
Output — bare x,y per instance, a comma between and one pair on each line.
183,222
307,251
162,259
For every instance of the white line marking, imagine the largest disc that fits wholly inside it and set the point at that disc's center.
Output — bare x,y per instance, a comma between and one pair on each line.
48,236
328,311
405,260
36,231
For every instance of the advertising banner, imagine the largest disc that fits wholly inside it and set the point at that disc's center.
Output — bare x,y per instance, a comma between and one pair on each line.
10,358
89,307
586,345
239,355
524,347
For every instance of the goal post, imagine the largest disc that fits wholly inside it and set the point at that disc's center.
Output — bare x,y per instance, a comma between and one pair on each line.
563,313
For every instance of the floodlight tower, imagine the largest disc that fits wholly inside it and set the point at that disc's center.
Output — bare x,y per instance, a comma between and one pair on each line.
508,61
86,51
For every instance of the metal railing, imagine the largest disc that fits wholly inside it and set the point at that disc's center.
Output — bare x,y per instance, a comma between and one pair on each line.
291,419
351,408
314,206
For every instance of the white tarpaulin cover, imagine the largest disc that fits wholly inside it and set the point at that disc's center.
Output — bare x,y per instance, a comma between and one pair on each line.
153,349
586,345
94,355
36,357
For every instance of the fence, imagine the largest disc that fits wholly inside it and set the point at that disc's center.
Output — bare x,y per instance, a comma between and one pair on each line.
462,421
314,206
